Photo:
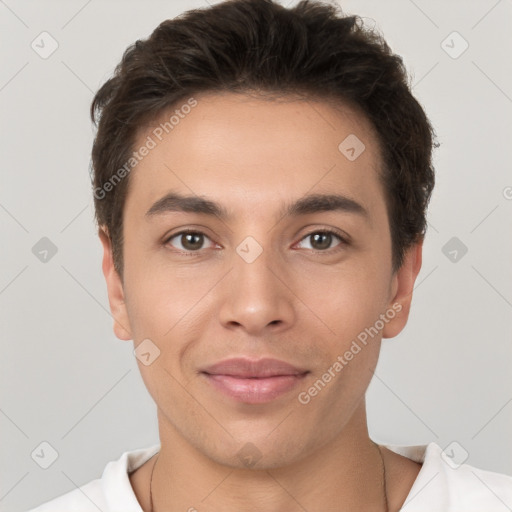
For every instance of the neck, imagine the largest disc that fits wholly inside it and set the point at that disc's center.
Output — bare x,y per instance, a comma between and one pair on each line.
344,474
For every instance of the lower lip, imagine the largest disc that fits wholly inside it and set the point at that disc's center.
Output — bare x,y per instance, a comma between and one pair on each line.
254,391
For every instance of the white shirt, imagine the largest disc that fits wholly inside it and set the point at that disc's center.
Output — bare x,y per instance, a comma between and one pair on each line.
439,486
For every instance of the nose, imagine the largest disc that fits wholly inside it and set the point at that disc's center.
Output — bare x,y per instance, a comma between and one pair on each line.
257,298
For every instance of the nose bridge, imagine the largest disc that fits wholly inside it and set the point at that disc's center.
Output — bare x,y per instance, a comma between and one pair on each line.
255,267
257,298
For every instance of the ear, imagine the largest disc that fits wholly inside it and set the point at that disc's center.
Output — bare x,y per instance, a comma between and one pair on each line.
402,286
115,289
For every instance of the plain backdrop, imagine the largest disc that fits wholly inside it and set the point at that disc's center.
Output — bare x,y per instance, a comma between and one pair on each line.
67,381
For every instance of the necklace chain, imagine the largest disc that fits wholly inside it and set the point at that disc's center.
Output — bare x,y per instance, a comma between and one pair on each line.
151,484
384,483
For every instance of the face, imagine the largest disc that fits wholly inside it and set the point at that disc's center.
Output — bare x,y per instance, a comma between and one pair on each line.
286,255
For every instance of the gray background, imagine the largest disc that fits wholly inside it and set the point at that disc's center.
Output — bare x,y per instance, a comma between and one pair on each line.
65,378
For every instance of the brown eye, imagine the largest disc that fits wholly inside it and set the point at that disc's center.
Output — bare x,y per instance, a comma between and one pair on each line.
322,240
191,241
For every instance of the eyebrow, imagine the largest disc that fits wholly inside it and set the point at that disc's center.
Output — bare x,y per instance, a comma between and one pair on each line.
313,203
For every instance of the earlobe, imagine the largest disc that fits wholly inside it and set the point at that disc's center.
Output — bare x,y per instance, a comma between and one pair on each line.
401,290
115,289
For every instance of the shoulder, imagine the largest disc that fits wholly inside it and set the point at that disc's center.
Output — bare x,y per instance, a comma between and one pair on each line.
111,492
444,485
475,488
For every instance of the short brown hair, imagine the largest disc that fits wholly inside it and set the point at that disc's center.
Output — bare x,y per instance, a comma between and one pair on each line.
311,50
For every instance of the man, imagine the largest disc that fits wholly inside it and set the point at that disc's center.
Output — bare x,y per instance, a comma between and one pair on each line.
261,179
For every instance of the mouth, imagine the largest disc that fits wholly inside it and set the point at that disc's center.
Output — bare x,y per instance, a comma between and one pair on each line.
254,382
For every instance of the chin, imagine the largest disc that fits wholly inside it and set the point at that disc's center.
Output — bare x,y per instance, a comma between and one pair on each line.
258,452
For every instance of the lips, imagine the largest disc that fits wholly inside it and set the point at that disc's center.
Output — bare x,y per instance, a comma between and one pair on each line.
255,369
253,382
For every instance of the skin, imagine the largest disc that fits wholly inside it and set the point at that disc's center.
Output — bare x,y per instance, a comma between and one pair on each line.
255,156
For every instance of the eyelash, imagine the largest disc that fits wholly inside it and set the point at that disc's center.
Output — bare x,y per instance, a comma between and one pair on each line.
343,241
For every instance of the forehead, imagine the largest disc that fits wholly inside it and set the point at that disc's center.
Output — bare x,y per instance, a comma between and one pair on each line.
248,149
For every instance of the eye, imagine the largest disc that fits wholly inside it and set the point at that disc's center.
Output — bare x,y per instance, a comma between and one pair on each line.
188,241
322,240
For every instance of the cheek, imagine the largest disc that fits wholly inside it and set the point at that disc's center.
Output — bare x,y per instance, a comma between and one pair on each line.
159,297
162,312
346,299
172,309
